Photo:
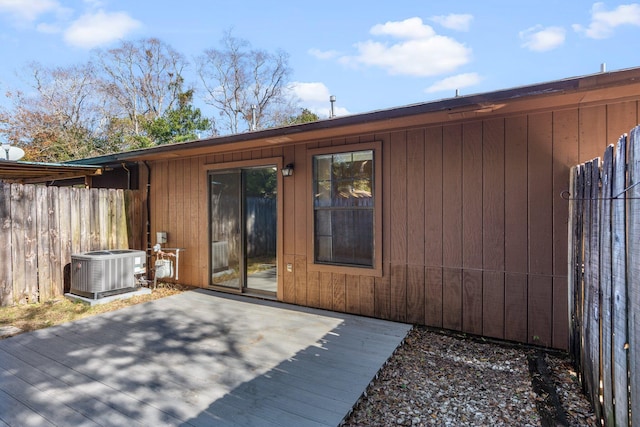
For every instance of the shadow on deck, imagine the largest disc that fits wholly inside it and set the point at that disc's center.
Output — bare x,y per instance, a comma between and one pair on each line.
197,358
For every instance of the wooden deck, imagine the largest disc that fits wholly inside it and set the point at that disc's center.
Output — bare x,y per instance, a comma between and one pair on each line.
198,358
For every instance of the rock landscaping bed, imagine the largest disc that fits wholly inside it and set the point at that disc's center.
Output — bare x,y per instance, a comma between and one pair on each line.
442,379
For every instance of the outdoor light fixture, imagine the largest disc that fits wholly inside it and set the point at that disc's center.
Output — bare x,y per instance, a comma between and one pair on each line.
287,170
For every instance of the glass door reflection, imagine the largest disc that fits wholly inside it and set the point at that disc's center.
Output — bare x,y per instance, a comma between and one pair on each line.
243,207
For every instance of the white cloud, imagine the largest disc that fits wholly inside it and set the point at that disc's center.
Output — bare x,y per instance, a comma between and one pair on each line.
94,3
323,54
315,97
458,22
48,28
454,82
419,52
50,17
603,22
28,11
94,29
411,28
311,92
541,39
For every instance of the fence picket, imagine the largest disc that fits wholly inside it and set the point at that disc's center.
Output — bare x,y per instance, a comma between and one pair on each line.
571,256
44,242
18,267
120,221
114,214
30,244
6,281
578,289
587,383
132,213
54,237
85,213
65,236
605,262
633,271
593,264
104,227
619,285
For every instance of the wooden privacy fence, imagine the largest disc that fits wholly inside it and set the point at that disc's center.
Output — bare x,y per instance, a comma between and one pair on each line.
604,279
41,227
261,230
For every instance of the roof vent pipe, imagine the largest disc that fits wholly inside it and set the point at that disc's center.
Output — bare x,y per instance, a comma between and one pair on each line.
253,116
603,67
332,99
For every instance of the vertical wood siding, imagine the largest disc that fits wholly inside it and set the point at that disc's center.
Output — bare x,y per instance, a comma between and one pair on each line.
474,227
416,219
540,196
515,229
452,227
493,230
433,211
472,230
397,199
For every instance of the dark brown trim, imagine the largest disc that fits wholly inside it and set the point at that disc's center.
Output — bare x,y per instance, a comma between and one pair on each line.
376,271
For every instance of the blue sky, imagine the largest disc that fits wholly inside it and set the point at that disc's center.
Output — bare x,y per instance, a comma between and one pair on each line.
370,55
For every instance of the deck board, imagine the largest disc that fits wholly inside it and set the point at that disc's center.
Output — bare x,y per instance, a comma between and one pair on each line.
197,358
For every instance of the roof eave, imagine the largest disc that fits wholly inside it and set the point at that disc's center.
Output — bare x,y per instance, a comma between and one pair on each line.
36,173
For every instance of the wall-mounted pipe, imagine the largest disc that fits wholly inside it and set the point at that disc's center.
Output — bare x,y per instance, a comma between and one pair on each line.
148,202
124,166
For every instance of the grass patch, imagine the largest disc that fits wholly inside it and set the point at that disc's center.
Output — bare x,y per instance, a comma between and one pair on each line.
29,317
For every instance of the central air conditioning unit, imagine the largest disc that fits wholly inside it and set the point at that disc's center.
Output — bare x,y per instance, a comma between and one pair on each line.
98,274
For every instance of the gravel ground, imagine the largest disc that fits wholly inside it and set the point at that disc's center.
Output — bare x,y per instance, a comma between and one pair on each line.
442,379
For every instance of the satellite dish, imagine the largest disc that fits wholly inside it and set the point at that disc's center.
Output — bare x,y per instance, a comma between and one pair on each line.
9,152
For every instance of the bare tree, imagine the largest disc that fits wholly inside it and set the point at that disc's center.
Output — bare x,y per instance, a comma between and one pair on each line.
59,119
69,93
129,97
143,78
236,77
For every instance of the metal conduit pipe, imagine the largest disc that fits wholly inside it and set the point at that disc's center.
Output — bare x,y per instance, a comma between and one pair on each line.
148,203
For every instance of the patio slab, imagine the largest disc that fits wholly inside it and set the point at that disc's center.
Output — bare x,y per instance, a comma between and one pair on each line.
199,358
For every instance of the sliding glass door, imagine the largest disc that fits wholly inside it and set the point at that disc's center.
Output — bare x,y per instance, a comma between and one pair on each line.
243,207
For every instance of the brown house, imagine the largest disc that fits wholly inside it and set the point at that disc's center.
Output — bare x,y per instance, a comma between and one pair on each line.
447,213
